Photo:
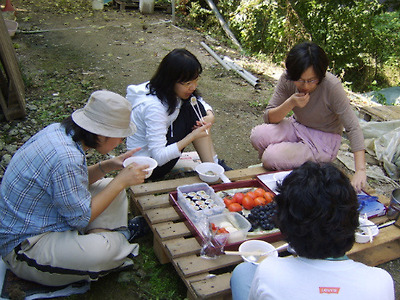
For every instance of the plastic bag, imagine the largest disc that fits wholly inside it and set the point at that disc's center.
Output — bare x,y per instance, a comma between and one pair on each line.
213,243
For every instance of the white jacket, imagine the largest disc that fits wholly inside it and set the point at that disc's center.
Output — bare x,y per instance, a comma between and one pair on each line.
152,122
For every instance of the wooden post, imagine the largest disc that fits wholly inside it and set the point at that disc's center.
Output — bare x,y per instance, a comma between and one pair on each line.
12,93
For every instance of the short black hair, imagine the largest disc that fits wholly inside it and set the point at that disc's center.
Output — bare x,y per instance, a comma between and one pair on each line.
305,55
79,134
317,211
178,66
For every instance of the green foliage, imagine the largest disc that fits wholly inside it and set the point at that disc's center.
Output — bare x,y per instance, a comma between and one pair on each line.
361,38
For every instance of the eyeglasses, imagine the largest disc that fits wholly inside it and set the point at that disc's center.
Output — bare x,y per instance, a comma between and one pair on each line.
312,81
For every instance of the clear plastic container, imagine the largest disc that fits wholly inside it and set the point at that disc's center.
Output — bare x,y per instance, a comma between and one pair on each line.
212,204
235,220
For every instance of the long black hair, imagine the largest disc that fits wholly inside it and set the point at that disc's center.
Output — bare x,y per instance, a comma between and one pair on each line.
305,55
79,134
178,66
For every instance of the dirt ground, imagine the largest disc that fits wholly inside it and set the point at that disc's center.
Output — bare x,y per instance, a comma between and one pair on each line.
112,49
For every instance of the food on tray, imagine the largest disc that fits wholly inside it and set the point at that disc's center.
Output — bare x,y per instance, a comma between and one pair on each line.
256,204
248,200
263,217
224,227
199,200
234,207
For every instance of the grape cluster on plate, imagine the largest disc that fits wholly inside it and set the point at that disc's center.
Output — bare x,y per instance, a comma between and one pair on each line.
263,217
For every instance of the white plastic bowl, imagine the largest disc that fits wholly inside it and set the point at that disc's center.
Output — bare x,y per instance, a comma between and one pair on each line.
211,172
257,246
142,160
366,231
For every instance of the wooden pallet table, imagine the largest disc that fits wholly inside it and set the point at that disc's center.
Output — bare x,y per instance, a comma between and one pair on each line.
209,278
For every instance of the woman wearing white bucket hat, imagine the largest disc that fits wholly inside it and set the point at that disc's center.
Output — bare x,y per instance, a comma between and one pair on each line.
60,220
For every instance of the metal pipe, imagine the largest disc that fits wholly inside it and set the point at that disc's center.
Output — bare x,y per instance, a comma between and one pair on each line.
216,57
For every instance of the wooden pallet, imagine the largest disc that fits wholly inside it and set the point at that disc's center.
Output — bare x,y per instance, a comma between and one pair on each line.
209,278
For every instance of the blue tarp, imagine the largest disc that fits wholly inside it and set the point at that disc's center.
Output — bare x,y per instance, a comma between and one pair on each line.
392,95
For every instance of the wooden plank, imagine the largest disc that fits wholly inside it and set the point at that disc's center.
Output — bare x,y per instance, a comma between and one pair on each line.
171,230
193,264
385,247
12,100
380,113
213,287
160,215
167,186
147,202
182,247
159,251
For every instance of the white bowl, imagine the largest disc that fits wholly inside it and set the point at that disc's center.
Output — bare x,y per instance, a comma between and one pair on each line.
142,160
211,172
366,231
257,246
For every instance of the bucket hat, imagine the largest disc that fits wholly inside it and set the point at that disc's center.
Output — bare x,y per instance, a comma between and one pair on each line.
107,114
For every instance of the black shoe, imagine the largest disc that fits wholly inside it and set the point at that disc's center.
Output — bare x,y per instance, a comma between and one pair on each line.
138,227
222,163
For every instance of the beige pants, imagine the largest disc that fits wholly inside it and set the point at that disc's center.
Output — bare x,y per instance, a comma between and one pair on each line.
60,258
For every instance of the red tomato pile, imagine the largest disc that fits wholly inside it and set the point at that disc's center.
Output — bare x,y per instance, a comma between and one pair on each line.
248,200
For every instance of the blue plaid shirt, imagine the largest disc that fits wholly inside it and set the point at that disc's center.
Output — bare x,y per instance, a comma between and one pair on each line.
45,188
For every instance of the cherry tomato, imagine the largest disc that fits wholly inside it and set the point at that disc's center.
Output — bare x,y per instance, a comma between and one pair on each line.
260,201
228,201
238,197
234,207
222,230
259,192
248,202
269,197
252,195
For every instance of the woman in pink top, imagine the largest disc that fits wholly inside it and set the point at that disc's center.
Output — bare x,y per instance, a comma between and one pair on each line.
320,109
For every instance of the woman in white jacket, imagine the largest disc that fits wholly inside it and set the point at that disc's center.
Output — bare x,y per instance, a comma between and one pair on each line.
165,118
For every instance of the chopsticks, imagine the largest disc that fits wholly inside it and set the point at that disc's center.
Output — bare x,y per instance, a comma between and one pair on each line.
193,102
257,253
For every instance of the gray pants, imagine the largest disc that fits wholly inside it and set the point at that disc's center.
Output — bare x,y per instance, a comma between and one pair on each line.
60,258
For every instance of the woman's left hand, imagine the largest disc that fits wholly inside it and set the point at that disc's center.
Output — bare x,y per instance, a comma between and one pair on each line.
359,180
118,160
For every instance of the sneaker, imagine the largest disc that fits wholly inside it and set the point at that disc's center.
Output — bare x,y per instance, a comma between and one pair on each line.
137,227
222,163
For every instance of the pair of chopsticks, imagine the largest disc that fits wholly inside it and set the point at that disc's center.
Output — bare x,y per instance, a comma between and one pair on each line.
257,253
196,108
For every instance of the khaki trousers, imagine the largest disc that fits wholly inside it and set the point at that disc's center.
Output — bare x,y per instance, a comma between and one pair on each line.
60,258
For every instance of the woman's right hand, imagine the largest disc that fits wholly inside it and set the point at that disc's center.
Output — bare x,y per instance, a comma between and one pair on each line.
201,131
299,99
133,174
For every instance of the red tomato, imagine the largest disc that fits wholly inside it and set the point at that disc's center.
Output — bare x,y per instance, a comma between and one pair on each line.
259,192
252,195
260,201
213,227
248,202
269,197
228,201
234,207
222,230
238,197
